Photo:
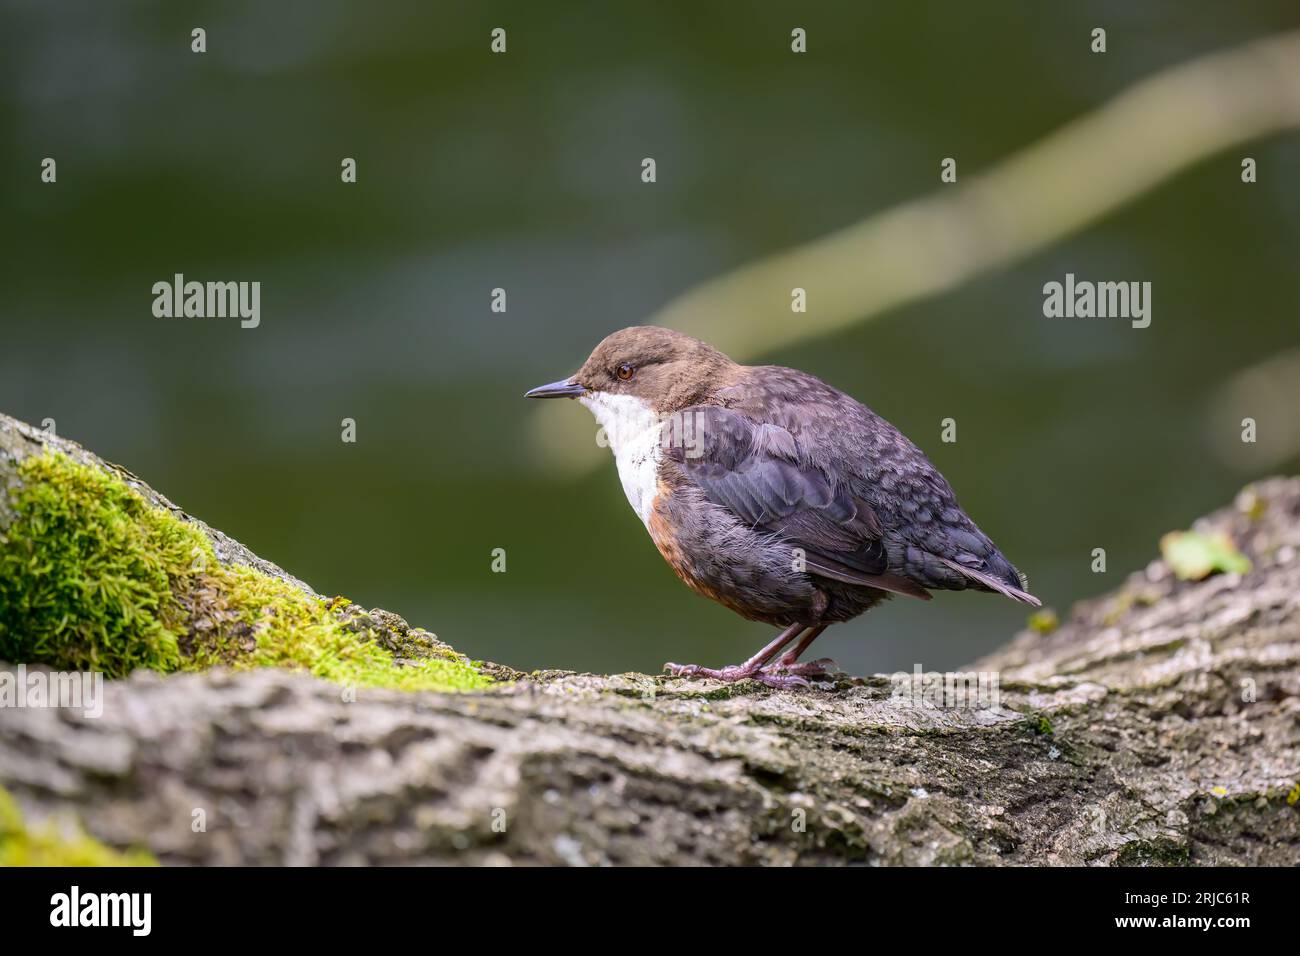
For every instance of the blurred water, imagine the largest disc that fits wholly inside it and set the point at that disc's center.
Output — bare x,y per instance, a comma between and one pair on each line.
522,171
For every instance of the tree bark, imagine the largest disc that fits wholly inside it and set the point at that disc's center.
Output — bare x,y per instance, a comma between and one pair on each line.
1157,725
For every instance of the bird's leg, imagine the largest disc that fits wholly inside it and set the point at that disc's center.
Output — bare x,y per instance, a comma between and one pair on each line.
787,663
751,668
794,653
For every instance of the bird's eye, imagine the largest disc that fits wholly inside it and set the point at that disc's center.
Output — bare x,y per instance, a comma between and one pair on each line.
625,371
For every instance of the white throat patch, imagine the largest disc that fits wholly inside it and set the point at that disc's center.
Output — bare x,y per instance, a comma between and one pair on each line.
632,431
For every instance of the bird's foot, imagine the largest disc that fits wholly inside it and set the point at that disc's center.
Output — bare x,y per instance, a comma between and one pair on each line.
730,673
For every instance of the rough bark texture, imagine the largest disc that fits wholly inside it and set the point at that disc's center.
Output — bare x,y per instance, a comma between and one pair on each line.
1157,725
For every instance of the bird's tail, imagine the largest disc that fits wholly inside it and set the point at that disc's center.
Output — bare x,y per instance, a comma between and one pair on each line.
988,581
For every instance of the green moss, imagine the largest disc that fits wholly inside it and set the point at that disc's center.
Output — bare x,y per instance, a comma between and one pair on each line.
86,572
51,846
1044,621
1194,555
1251,503
1159,852
294,629
1039,724
94,577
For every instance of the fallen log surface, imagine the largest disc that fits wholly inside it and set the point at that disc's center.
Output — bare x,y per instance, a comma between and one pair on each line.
1157,725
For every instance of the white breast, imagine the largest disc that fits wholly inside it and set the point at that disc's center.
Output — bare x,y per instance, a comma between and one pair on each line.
632,431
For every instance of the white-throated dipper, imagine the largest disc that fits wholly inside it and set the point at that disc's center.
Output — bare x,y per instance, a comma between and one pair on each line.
776,495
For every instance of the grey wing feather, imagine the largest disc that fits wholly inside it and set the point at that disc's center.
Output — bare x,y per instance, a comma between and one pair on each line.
754,471
886,519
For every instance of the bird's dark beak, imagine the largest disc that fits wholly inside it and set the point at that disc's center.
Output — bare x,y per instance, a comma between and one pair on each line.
561,389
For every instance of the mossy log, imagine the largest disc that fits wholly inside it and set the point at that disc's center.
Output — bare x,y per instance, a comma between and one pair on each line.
1157,725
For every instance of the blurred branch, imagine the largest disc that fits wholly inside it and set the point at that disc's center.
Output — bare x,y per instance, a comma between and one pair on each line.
1046,192
1269,393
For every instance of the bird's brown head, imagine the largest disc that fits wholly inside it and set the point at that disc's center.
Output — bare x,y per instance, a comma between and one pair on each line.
665,370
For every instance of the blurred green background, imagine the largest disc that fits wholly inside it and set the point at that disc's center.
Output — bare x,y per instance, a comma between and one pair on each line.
523,171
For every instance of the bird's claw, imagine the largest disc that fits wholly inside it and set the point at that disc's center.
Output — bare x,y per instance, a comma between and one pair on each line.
730,673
